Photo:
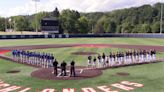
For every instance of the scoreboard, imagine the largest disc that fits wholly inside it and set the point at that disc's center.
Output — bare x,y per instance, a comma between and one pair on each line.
50,25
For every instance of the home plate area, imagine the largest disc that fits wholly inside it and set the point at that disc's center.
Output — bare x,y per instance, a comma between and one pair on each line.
81,73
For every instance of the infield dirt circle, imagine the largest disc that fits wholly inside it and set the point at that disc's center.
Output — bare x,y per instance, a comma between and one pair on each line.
81,73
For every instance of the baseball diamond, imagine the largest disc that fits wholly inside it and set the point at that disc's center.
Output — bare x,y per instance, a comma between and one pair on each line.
81,46
20,73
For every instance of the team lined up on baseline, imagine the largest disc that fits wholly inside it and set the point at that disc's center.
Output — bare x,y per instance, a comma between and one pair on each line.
44,60
122,58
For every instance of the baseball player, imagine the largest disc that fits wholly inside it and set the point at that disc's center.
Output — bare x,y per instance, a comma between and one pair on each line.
51,60
55,65
137,56
130,57
103,60
89,61
99,60
94,63
117,59
134,57
72,69
63,68
14,54
154,55
114,59
18,55
110,59
107,61
122,58
140,56
148,57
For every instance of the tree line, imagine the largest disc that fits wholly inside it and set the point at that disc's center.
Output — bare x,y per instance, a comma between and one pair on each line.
143,19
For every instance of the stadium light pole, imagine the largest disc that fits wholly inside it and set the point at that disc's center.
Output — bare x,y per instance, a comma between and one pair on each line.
36,27
161,24
5,25
10,22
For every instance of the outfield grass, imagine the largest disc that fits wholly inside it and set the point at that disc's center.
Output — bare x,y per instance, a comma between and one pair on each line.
134,41
151,75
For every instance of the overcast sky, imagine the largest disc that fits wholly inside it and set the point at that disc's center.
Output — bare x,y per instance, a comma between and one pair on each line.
27,7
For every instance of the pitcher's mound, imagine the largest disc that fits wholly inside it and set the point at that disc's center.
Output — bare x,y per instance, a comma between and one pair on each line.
81,73
84,53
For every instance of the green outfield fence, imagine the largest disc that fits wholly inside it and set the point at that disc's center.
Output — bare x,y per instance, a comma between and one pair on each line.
80,36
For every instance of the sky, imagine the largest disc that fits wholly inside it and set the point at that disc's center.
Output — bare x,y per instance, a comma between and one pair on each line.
27,7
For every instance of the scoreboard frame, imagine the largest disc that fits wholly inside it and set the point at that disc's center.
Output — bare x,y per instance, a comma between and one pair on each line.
51,26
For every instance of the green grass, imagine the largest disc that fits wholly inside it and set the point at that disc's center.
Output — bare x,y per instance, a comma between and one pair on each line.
66,53
151,75
136,41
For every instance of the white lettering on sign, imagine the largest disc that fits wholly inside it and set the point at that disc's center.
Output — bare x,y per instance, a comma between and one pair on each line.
88,90
132,84
68,90
105,89
123,87
48,90
8,89
25,90
4,84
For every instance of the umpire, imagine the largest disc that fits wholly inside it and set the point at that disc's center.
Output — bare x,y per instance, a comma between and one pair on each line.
55,64
63,68
72,69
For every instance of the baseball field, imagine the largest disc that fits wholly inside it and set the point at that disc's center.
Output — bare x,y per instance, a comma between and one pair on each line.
150,75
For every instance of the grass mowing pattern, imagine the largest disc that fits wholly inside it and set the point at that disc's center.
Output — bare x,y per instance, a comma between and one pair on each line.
146,74
150,75
134,41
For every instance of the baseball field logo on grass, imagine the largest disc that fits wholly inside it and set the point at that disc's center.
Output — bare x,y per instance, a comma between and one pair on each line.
123,85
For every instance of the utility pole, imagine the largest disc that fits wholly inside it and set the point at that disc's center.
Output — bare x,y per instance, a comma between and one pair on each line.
5,25
36,27
161,24
10,23
92,29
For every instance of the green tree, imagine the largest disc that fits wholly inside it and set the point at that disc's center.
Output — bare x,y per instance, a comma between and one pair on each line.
39,17
21,23
69,20
155,27
119,29
82,25
56,13
109,26
99,27
127,27
2,24
145,28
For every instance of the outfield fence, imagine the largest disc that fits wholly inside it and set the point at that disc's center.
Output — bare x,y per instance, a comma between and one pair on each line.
80,36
